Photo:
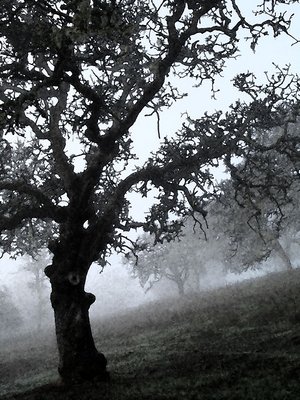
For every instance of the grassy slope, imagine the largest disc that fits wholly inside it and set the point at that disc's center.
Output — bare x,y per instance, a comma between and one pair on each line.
239,342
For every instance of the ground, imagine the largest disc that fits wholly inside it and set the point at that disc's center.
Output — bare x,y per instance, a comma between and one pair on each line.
238,342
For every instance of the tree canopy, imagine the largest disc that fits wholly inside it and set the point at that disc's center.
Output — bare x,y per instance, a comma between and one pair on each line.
87,78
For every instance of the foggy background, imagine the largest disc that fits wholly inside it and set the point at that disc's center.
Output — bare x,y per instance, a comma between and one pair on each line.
115,290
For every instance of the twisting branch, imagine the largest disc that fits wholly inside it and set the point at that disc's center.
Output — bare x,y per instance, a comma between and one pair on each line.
16,220
64,168
25,188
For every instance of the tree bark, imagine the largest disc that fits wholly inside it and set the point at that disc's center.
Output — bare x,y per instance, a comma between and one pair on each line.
79,359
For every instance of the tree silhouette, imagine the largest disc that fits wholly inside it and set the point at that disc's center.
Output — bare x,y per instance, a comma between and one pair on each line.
84,71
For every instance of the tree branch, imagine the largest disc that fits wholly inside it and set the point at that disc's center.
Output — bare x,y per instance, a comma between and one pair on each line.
25,188
64,168
14,221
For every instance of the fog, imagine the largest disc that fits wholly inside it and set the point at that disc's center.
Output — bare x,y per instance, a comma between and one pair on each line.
116,292
113,287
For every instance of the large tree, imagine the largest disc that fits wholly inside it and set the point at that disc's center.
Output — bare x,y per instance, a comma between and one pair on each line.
84,71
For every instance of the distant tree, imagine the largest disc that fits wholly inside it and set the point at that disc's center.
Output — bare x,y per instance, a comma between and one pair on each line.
290,224
35,265
205,247
185,261
153,263
10,318
259,205
251,235
84,71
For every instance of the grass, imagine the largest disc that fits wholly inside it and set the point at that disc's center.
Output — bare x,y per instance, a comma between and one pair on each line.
237,342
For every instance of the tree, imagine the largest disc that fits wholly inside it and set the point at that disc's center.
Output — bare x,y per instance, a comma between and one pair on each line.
9,314
153,263
258,206
35,266
184,261
84,71
251,237
290,227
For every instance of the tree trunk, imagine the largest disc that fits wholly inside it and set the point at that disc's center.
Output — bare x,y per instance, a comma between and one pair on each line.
180,286
283,256
79,359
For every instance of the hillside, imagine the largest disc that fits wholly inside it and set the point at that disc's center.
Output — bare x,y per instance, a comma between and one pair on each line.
238,342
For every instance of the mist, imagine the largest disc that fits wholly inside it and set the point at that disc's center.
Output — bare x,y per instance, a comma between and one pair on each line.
115,290
127,316
113,287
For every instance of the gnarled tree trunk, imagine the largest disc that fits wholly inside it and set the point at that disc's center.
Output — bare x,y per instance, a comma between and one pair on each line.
79,359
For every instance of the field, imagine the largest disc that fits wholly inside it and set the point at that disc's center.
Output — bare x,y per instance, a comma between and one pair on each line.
238,342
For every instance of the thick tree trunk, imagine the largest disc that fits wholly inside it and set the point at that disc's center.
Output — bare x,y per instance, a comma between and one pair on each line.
79,359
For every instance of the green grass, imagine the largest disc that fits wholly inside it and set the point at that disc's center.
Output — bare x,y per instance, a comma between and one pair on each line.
239,342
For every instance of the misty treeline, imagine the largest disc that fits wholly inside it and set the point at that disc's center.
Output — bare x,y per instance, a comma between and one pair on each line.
82,72
25,305
245,225
10,316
